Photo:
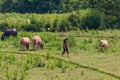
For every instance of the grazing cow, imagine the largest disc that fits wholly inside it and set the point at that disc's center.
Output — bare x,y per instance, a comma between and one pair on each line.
103,43
9,32
25,42
36,40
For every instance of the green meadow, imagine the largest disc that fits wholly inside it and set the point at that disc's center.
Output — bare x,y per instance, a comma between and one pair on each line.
86,62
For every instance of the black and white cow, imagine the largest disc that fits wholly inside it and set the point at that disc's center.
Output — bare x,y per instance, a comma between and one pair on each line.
9,32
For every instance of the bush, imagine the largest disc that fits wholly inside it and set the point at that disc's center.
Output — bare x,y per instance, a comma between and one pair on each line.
3,26
113,22
64,26
92,19
74,20
84,19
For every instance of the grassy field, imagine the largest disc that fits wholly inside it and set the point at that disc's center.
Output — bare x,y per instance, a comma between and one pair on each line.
86,62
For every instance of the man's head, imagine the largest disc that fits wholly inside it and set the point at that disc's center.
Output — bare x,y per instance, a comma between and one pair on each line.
66,38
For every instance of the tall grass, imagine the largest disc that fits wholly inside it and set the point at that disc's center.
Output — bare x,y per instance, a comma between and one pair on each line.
91,19
52,41
27,60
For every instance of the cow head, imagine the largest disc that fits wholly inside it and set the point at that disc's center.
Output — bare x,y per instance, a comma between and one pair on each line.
42,45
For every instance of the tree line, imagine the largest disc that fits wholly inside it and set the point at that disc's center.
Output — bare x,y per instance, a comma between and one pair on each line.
58,6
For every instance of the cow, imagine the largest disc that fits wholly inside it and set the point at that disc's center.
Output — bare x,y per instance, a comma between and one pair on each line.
37,41
25,41
103,44
9,32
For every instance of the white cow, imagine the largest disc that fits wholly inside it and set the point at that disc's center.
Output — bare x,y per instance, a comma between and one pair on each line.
103,44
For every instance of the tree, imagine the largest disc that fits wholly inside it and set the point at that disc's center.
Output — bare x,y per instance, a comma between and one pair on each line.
7,6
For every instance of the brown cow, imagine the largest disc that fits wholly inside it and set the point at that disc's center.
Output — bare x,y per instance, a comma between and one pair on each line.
103,43
25,42
37,41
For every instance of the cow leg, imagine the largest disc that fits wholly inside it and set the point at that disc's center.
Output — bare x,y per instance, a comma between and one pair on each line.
37,46
27,47
34,46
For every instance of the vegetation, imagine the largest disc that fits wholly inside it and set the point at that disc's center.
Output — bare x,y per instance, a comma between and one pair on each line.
86,61
71,14
84,19
58,6
84,22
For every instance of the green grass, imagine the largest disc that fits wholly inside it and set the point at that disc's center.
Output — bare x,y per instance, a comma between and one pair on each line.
86,62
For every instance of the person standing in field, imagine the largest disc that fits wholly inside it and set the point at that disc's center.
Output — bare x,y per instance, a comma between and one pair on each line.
65,47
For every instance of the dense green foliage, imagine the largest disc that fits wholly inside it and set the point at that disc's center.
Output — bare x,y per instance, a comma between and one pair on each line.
84,14
59,6
84,19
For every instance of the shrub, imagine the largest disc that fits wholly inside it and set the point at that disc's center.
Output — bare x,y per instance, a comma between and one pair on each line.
3,26
89,18
74,20
92,19
113,22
